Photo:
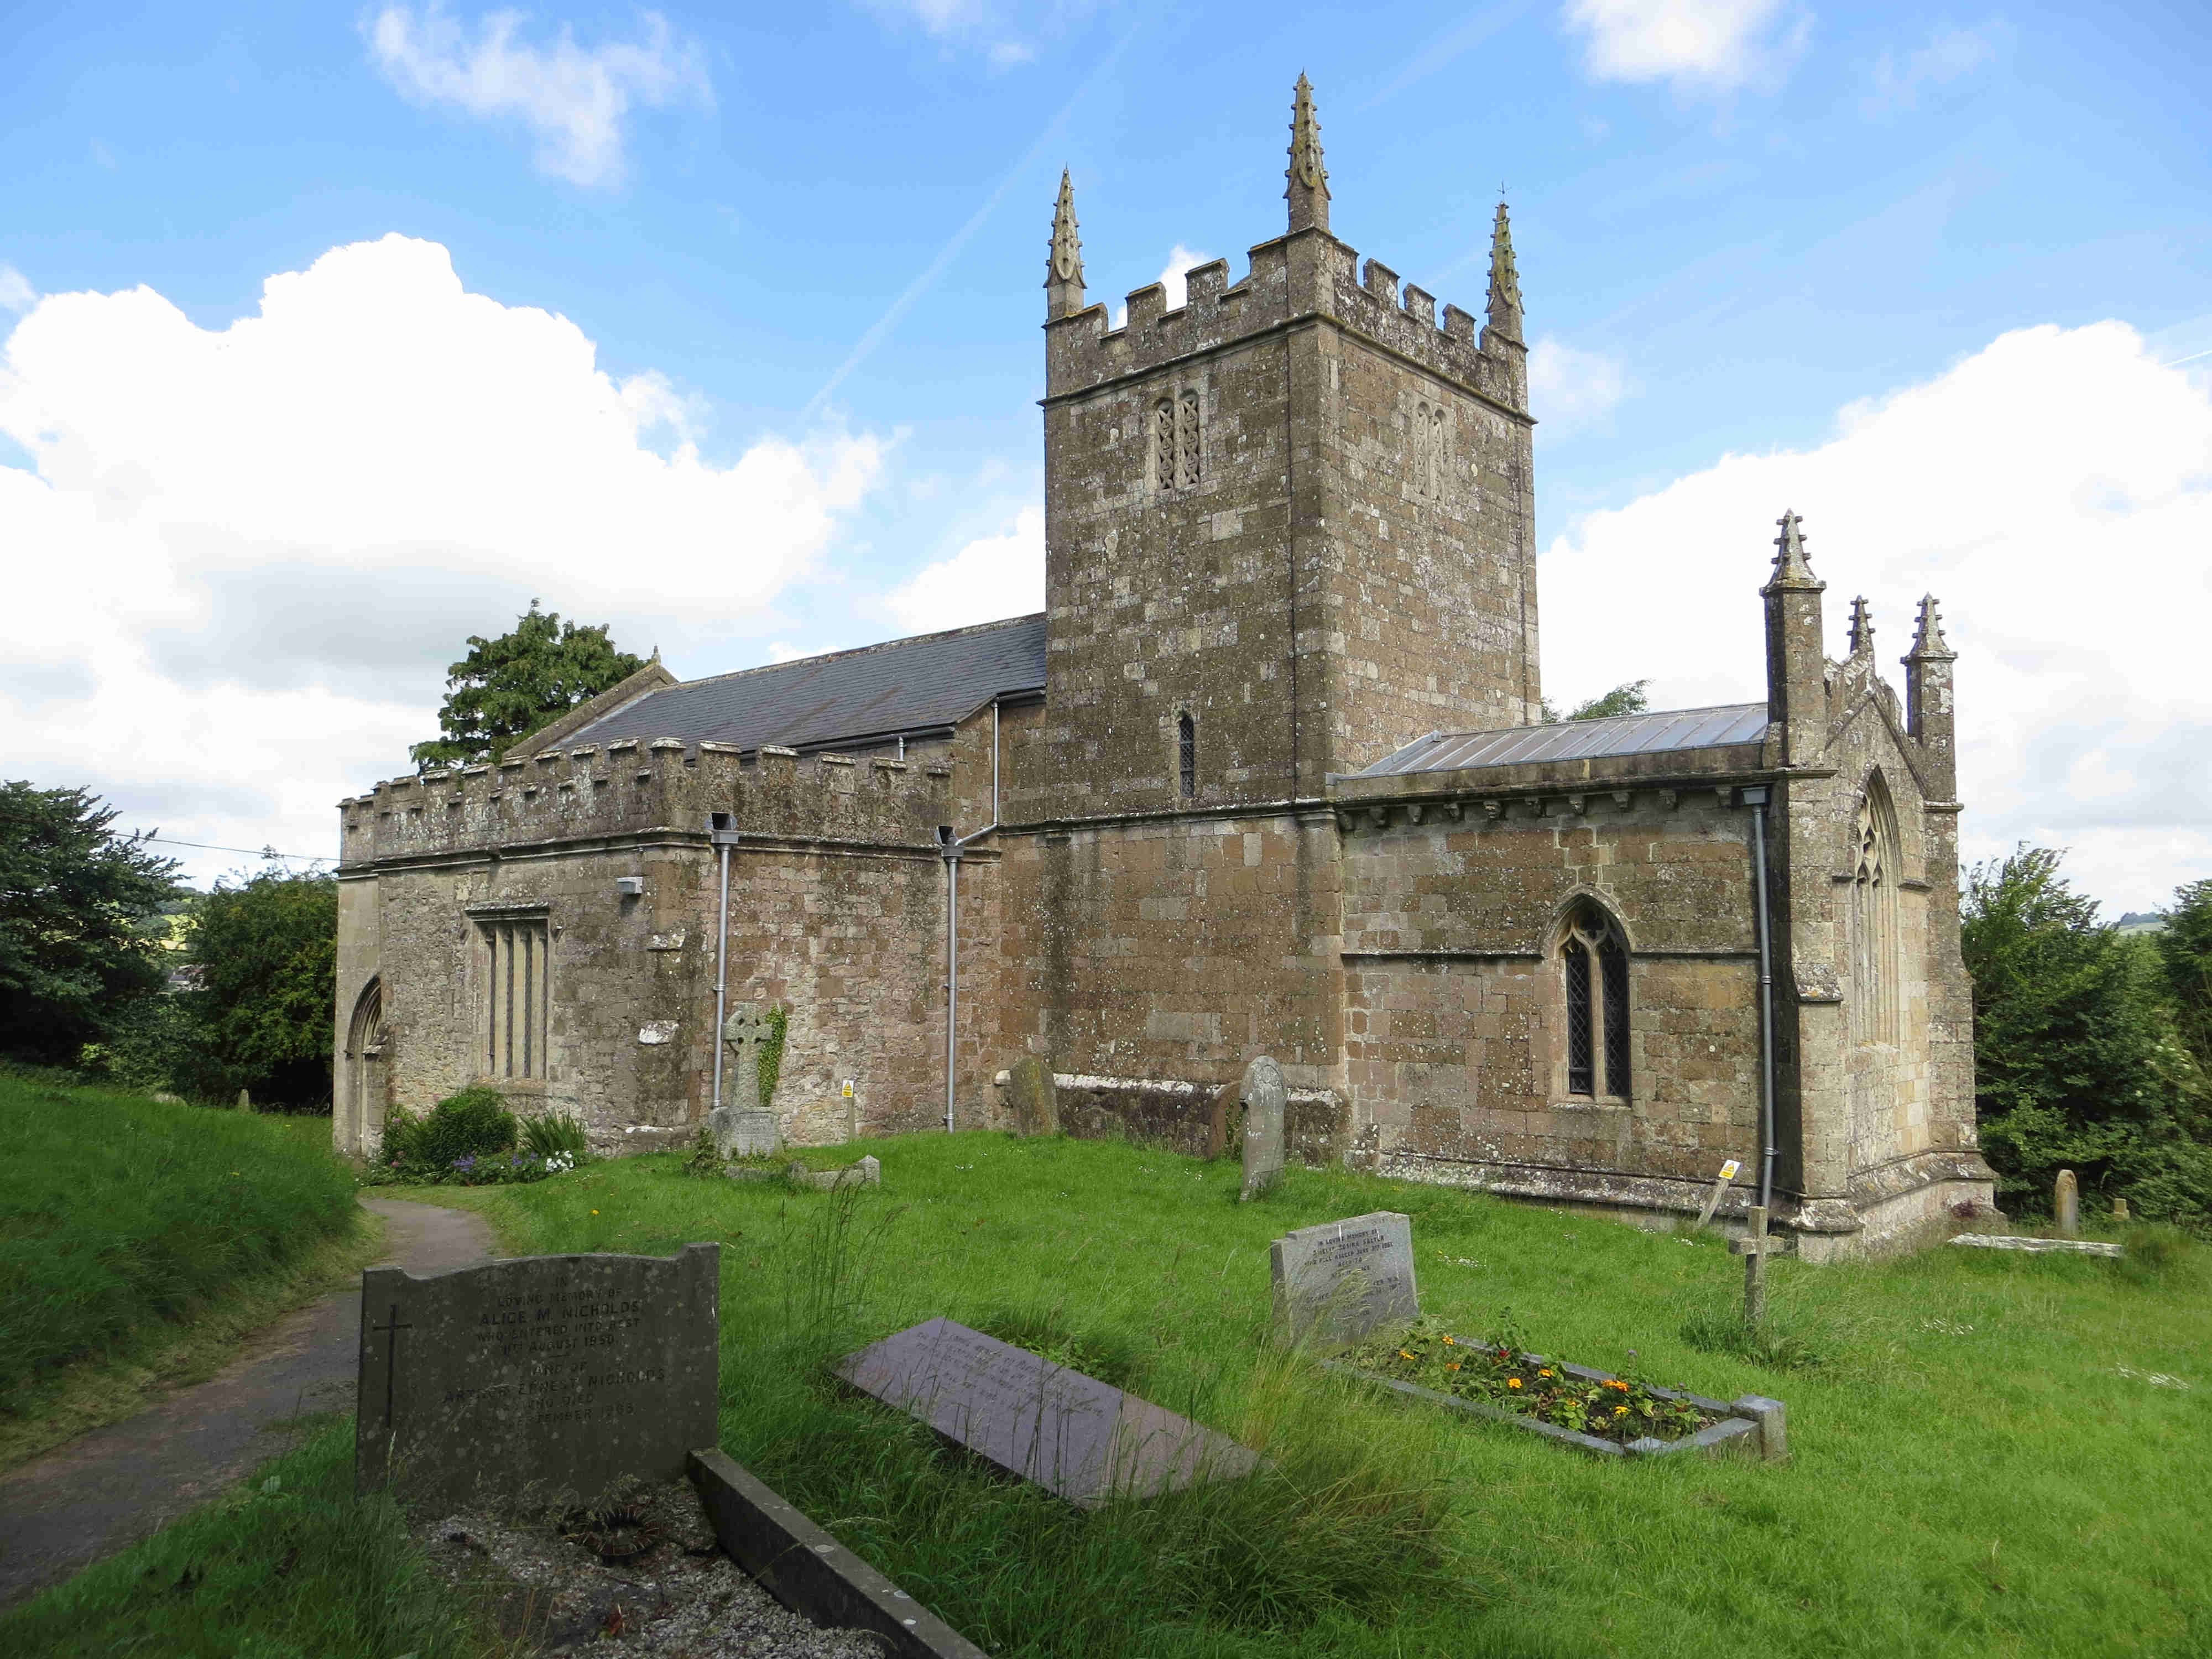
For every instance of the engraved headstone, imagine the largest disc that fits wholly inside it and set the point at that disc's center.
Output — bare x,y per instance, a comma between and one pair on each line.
2120,1209
552,1376
2066,1202
1081,1439
1337,1282
741,1127
1264,1095
1034,1097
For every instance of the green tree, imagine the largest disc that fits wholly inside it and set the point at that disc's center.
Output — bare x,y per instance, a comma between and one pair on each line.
266,949
73,895
2078,1064
2184,948
520,683
1626,698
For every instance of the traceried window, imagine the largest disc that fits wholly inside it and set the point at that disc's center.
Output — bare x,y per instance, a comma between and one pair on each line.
1178,453
1593,974
1187,754
1874,1012
517,1000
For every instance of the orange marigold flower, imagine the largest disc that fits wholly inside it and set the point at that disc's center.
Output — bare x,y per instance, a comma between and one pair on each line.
1544,1371
1453,1366
1448,1342
1512,1382
1402,1354
1620,1411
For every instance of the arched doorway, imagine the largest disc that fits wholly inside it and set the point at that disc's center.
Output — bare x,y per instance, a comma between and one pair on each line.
365,1074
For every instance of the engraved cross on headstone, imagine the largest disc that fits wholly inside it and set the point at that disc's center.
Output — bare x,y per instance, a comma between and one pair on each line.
391,1327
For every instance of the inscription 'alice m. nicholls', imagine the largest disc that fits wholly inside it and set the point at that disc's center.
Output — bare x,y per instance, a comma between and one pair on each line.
558,1374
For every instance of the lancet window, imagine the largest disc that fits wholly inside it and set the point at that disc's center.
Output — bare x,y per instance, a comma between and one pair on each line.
1187,754
1593,960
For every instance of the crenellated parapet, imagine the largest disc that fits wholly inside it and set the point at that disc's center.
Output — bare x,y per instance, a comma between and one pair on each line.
1295,278
632,787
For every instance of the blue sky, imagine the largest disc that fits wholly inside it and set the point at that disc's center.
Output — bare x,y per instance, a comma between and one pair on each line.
798,257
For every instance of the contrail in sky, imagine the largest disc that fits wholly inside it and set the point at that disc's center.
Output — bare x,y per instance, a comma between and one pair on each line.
921,284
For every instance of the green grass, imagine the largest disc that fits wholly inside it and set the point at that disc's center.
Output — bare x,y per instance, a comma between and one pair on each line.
299,1567
124,1219
1972,1474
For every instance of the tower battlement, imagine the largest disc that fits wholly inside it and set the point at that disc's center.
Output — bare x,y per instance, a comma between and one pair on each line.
630,788
1304,276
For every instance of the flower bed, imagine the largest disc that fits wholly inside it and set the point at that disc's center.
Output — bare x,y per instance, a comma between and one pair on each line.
1612,1416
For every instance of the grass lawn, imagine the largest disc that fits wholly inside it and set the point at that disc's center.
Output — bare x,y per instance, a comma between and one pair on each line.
139,1240
289,1562
1984,1463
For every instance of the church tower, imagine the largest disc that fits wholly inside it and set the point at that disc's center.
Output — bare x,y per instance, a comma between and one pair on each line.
1289,525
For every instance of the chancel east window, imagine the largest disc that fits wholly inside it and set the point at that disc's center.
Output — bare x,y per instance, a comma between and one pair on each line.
1187,754
1594,973
1178,453
517,1000
1874,924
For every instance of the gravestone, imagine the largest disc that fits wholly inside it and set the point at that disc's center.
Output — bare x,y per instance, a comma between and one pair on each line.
1034,1096
1081,1439
2066,1202
2120,1209
741,1127
550,1376
1336,1283
1264,1096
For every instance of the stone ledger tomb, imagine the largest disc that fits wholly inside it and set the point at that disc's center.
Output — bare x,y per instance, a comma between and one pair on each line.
1079,1438
1337,1282
1264,1095
553,1375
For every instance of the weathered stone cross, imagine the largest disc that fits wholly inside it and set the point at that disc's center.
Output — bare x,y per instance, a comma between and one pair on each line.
1754,1250
741,1128
391,1327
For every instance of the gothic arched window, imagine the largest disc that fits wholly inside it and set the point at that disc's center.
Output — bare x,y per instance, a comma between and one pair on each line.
1874,923
1594,976
1186,754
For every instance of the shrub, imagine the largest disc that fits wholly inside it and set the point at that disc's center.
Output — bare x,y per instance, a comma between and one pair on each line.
552,1134
470,1124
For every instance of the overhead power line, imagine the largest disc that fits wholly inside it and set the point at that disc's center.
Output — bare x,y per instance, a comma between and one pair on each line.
251,852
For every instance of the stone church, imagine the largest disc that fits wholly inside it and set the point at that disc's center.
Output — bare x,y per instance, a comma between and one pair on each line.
1269,775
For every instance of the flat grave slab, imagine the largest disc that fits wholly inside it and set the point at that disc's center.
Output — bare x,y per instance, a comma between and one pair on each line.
1081,1439
2039,1246
1337,1282
551,1375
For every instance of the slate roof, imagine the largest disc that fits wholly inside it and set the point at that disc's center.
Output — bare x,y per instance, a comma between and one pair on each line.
909,685
1616,734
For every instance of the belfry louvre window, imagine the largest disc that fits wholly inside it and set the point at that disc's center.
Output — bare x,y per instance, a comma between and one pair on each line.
1594,970
1178,459
517,961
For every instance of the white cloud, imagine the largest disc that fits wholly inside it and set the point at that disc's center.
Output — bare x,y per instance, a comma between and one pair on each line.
992,576
1697,44
2055,491
1950,54
990,26
575,100
248,553
1175,277
16,294
1570,390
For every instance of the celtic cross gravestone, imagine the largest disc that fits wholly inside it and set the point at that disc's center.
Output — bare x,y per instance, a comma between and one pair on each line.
741,1124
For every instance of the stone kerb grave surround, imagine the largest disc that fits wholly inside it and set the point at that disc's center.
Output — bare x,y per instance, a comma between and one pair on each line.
1081,1439
1338,1284
1264,1095
550,1376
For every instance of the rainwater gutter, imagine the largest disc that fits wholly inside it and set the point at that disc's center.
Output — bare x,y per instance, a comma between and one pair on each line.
950,849
1756,798
721,832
